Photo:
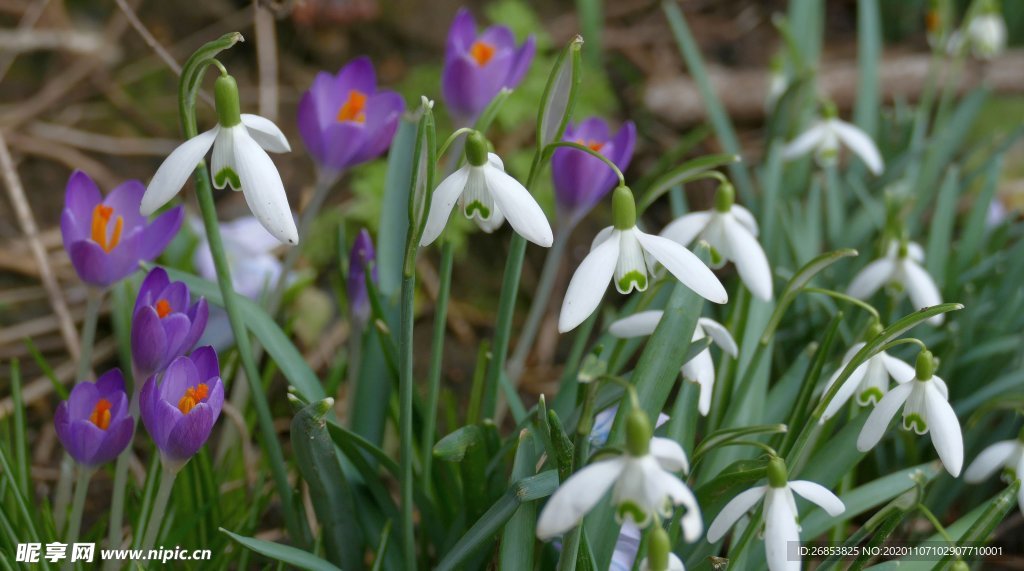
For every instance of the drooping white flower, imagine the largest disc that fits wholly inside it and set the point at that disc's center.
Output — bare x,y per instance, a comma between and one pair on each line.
869,382
986,35
926,409
902,266
780,514
240,143
732,231
700,369
1006,454
824,137
620,255
642,481
488,196
659,553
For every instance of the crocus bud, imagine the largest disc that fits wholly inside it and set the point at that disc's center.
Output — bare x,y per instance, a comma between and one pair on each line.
106,237
777,476
165,324
581,180
638,433
180,411
94,424
478,66
623,208
360,260
345,120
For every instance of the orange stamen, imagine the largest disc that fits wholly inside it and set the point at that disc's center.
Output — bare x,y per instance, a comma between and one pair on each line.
163,308
595,146
101,414
100,221
354,108
193,396
481,52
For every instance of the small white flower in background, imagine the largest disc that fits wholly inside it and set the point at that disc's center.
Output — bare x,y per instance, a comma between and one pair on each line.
902,266
488,196
778,82
619,254
824,137
1006,454
780,514
700,369
644,486
926,409
986,35
659,553
240,143
732,231
869,381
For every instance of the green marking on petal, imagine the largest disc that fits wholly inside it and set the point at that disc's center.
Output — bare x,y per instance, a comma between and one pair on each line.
870,396
634,512
632,279
227,175
477,207
915,422
717,259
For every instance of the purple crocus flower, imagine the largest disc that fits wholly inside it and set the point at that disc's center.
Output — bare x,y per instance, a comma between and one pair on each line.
360,258
165,324
180,411
344,120
478,66
581,181
106,238
94,424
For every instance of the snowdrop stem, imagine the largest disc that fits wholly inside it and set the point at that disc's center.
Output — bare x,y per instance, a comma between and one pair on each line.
927,513
907,341
436,357
570,553
78,504
572,145
451,139
848,299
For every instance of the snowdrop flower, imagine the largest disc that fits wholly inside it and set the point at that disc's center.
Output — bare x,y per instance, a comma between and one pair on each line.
732,231
700,369
780,515
240,143
488,196
619,254
986,31
869,381
1007,454
642,481
824,138
659,554
901,265
925,409
778,82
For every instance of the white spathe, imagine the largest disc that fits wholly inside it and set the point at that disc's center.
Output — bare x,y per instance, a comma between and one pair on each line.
700,369
779,518
906,271
926,409
734,235
239,159
824,137
646,483
622,256
869,381
488,196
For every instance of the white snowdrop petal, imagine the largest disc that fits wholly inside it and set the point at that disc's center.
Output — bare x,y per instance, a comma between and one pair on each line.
681,495
805,142
720,335
733,511
872,277
519,207
945,430
990,460
266,133
670,454
879,419
441,203
749,257
223,159
588,284
684,265
175,170
687,227
845,392
860,143
577,496
263,188
701,370
900,371
780,528
819,495
921,288
637,325
746,218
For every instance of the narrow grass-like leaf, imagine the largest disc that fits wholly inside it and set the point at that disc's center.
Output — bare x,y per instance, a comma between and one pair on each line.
519,535
797,282
283,553
684,173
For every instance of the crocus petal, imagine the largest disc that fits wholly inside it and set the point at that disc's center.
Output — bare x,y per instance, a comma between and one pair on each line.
159,233
148,341
266,133
190,433
872,277
577,496
859,142
820,495
945,430
175,170
780,528
588,284
263,189
81,195
519,207
805,143
733,511
921,288
720,335
990,460
669,454
881,415
637,325
900,371
441,204
687,227
749,257
684,265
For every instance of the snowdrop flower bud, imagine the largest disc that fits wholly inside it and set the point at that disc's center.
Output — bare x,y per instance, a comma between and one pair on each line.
926,409
619,254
